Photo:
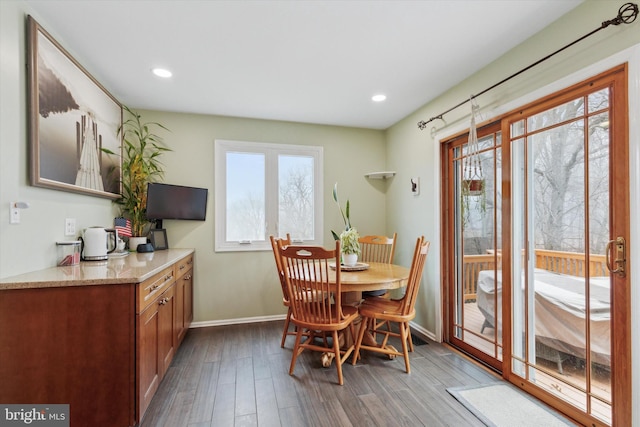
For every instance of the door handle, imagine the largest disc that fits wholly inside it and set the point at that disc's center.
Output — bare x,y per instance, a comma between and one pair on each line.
620,260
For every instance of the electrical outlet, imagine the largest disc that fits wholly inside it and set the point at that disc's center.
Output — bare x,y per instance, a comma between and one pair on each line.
15,213
70,227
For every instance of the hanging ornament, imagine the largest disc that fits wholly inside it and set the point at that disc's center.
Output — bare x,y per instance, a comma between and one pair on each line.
472,173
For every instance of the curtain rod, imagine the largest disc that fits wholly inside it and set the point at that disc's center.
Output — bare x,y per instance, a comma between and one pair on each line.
627,13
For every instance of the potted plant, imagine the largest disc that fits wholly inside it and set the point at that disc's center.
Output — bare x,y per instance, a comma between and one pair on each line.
472,189
349,245
141,149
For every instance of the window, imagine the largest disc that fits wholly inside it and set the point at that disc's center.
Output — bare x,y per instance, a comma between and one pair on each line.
263,189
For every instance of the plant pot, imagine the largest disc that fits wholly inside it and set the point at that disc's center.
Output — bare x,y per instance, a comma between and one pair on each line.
475,186
135,241
349,259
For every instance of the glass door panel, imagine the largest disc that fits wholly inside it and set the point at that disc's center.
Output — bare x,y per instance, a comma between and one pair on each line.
561,318
476,206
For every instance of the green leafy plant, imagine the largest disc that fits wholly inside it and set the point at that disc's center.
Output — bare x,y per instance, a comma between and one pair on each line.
349,241
349,237
472,189
345,217
141,149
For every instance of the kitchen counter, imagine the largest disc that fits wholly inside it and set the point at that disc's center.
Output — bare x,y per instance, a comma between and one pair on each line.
132,268
98,336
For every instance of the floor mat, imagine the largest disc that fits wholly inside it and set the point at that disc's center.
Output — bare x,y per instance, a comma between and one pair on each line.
501,404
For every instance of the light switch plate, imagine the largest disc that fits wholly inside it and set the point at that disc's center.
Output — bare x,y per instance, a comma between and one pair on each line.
415,186
70,227
15,213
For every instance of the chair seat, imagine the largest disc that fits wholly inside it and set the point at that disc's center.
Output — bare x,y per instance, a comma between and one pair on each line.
384,309
350,314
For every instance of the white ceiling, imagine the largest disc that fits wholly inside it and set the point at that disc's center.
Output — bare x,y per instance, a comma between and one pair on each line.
303,61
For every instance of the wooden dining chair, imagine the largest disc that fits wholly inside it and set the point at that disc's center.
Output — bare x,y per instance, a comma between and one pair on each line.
401,311
377,249
316,302
275,243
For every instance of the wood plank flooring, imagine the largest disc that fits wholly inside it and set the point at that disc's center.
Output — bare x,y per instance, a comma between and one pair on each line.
239,376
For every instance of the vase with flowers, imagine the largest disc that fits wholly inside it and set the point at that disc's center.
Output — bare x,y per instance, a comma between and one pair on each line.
349,244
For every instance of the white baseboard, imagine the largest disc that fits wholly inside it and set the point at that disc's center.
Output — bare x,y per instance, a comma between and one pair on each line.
416,329
237,321
419,330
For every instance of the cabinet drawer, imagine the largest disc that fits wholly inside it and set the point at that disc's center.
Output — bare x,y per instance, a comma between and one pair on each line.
150,288
184,265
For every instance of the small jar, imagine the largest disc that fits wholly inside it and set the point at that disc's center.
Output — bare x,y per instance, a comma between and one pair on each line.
68,253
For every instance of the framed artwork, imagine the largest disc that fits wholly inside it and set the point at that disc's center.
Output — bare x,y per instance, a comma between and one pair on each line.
158,238
73,122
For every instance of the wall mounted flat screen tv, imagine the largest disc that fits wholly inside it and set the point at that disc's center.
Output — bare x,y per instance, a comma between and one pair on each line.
168,201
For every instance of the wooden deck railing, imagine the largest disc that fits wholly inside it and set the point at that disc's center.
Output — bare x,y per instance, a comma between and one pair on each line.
472,265
571,263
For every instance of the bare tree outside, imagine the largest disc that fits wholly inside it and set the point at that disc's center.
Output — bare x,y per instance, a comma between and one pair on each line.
558,146
296,198
246,211
247,221
560,203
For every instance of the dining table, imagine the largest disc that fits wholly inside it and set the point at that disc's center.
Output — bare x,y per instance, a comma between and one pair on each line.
371,276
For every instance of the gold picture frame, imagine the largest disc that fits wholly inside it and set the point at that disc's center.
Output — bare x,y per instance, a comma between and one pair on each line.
73,122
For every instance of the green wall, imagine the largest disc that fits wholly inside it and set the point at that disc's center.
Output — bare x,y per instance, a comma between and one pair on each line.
239,285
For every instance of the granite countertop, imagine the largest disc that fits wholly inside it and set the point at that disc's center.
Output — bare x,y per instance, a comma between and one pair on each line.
132,268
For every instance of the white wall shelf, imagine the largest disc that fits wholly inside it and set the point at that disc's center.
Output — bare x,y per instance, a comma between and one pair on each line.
380,175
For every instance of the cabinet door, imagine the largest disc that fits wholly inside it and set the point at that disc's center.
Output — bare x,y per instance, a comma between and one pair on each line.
188,300
148,357
178,324
166,315
184,305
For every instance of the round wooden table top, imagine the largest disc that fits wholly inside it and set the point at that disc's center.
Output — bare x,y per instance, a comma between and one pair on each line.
378,276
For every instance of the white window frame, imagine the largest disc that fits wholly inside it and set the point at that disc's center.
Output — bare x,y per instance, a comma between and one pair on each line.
271,152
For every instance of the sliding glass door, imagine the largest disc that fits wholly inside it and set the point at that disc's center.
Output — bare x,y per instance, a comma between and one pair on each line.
475,201
535,265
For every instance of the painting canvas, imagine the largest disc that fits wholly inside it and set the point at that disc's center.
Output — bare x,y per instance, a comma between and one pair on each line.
73,123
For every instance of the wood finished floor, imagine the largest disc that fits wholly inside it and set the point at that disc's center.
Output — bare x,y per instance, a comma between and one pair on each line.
239,376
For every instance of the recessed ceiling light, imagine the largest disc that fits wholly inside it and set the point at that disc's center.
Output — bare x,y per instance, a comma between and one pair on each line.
161,72
378,98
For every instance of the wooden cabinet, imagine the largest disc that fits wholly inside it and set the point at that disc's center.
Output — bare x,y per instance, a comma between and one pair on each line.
184,297
166,315
165,304
73,345
155,345
99,336
148,357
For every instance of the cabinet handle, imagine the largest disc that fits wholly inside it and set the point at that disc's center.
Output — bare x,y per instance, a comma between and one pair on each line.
182,267
168,277
154,287
163,301
187,277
